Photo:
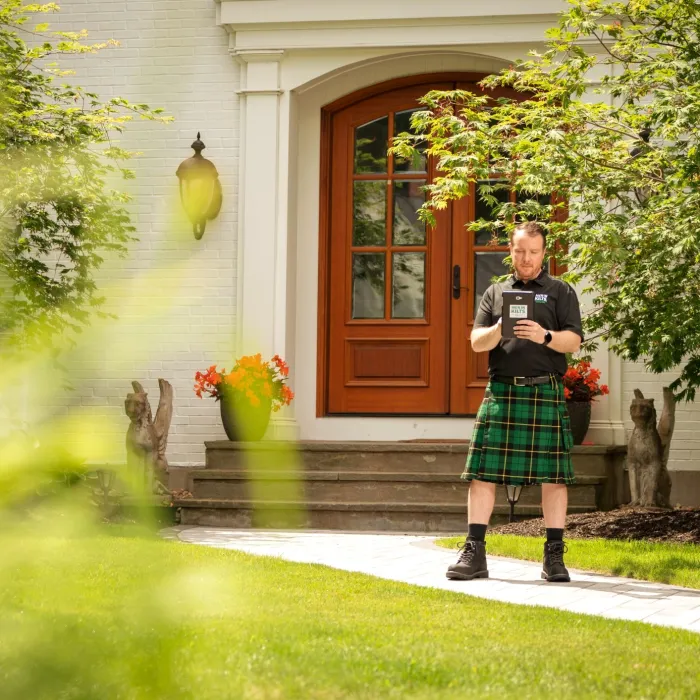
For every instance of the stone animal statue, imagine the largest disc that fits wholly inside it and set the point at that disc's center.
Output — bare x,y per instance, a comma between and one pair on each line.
647,451
146,438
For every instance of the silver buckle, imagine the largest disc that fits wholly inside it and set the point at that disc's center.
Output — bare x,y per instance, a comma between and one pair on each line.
515,381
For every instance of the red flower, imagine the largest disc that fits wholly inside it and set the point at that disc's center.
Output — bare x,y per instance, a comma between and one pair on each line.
581,382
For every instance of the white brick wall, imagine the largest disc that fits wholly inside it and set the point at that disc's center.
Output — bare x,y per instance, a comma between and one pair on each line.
685,447
174,296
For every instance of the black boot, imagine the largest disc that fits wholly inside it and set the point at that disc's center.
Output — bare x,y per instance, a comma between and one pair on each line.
553,568
471,563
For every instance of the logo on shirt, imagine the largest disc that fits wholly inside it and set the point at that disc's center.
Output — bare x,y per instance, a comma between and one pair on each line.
541,298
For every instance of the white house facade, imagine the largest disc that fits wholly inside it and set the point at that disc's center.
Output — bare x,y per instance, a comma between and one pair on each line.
283,92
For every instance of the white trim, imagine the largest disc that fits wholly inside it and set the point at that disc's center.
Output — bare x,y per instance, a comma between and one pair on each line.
606,432
257,55
274,25
283,428
526,37
251,91
257,13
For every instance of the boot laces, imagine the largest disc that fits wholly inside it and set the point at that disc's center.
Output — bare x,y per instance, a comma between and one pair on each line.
556,552
468,551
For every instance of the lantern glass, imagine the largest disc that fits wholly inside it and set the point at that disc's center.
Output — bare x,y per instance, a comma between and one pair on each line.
513,493
197,196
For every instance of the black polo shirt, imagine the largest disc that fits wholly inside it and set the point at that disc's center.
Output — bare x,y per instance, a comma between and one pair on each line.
556,309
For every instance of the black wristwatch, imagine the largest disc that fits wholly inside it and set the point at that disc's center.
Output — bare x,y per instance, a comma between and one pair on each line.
547,338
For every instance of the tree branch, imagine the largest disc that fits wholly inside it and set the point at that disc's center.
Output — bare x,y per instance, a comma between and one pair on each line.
614,167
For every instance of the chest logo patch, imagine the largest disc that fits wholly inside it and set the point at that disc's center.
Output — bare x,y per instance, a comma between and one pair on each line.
541,298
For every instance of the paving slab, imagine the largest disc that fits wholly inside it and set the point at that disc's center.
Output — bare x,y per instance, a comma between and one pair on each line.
417,560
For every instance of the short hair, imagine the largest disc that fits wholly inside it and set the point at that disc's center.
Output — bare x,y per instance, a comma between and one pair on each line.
531,228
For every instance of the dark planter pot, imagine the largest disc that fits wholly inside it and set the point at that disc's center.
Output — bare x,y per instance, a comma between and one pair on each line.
580,416
243,422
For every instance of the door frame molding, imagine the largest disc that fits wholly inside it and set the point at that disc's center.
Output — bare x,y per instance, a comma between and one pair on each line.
327,113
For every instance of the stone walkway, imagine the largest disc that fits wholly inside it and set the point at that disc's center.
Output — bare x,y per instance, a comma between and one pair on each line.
415,559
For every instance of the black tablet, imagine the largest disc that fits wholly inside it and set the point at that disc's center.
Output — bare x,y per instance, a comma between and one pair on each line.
517,306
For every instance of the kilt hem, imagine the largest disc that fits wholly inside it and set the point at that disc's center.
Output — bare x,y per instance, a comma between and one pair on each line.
567,481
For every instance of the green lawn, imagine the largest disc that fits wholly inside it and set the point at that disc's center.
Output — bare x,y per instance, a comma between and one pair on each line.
105,616
678,564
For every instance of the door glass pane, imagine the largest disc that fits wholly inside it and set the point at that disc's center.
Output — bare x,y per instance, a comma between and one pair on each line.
371,145
369,213
409,196
368,285
484,210
486,266
402,122
408,285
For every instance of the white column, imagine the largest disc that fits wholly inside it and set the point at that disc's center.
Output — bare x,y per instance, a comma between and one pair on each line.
262,323
607,427
615,399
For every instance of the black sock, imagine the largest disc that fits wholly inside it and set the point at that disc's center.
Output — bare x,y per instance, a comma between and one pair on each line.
477,531
555,534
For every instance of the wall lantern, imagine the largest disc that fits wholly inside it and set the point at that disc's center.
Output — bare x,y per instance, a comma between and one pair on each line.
200,189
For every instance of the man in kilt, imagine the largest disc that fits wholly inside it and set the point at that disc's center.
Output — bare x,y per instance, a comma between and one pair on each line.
522,433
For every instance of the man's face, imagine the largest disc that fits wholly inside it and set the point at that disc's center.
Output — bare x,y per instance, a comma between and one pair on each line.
527,253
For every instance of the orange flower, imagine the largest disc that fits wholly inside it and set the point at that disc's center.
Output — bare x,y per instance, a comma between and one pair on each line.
250,377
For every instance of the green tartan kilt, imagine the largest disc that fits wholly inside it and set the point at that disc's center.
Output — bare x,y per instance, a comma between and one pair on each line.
522,435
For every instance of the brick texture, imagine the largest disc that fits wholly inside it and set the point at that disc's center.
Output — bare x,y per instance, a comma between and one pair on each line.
174,296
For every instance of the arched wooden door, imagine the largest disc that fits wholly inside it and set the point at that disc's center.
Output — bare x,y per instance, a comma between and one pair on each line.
398,299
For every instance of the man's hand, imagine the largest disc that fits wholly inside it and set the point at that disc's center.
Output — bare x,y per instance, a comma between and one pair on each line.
562,341
530,330
483,339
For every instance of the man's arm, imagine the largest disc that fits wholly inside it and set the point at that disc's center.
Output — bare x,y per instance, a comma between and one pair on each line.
484,339
565,341
562,341
484,335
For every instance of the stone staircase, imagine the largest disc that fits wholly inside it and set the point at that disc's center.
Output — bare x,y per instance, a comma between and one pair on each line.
371,486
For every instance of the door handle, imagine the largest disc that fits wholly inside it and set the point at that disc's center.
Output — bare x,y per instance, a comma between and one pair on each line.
457,282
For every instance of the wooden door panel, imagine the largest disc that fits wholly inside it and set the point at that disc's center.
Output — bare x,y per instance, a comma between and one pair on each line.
383,362
389,282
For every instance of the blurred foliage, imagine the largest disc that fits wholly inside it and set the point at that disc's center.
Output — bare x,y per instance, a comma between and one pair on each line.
58,216
33,469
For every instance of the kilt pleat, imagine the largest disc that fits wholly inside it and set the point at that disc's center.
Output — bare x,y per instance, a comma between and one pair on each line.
522,435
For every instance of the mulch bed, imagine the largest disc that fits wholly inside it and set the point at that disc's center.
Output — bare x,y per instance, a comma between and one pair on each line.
680,525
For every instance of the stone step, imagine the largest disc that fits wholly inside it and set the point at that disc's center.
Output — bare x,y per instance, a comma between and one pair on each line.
394,517
420,457
341,456
366,487
382,486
